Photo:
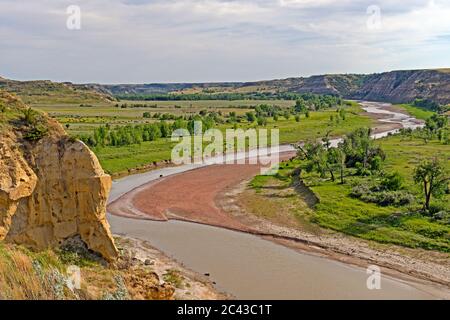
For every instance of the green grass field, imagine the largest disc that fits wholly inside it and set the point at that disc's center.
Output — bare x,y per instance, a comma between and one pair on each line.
337,210
121,159
416,112
83,119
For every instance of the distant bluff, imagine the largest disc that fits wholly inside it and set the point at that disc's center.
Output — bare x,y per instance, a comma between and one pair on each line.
52,188
395,86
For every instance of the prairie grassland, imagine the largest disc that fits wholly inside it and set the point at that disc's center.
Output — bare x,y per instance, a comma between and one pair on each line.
338,211
121,159
416,112
82,118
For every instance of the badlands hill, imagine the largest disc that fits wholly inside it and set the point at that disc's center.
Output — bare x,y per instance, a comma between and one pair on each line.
394,86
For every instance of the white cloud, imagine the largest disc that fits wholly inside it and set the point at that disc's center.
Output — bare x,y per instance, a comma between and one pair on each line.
213,40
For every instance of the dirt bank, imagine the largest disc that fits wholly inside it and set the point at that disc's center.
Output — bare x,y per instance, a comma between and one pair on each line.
187,284
190,196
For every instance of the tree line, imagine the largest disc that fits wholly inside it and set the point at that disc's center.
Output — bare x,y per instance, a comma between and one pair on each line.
230,96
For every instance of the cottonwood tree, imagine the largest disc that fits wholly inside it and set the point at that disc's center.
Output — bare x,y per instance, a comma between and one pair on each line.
432,176
336,158
314,157
317,157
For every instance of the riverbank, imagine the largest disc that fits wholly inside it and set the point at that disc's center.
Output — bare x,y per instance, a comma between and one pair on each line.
406,263
186,284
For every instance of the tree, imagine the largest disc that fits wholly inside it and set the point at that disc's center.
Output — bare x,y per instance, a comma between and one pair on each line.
262,121
250,117
300,106
336,160
315,158
431,175
436,122
341,161
360,147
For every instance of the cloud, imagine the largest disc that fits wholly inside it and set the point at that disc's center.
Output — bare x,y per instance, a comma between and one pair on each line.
218,40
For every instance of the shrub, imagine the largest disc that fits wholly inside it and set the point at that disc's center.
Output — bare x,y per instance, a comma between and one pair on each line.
389,198
375,194
392,182
437,207
359,190
376,163
250,117
29,116
262,121
360,170
36,133
442,216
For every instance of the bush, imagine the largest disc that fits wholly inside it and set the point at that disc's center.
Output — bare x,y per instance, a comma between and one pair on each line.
376,163
360,170
359,190
29,116
437,207
389,198
36,133
442,216
392,182
373,194
262,121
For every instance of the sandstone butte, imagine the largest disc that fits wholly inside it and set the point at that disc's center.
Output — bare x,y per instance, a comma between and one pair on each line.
51,190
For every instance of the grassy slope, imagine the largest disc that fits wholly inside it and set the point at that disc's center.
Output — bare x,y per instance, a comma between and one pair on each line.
338,211
47,92
416,112
119,159
28,275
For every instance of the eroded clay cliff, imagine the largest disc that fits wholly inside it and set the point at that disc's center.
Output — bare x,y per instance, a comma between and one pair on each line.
51,189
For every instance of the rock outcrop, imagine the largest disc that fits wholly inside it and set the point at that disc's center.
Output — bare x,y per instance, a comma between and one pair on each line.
395,86
51,190
406,86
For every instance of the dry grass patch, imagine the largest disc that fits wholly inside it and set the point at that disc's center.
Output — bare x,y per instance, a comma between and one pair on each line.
279,203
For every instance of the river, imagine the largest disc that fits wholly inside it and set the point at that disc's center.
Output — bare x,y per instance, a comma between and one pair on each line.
249,267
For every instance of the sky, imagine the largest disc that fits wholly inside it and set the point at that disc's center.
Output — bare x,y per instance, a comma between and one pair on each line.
147,41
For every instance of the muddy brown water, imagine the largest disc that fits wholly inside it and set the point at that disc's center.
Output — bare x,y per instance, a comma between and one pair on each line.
249,267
